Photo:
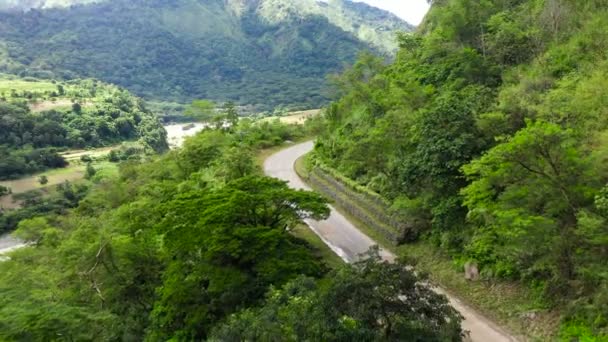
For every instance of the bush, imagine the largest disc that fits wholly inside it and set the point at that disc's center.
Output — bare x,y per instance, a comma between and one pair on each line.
5,190
43,180
86,158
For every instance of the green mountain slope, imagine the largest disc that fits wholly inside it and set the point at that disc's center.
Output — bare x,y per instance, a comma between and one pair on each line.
263,52
489,136
39,119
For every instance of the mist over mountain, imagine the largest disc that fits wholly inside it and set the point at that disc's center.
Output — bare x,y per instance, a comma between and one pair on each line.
255,52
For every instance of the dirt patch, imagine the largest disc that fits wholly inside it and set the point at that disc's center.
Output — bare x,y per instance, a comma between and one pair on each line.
94,153
55,177
58,104
9,203
295,117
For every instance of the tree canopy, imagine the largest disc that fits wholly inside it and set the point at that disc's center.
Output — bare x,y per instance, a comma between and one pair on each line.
488,133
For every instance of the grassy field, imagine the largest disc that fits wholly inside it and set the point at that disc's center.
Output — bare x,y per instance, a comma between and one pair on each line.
295,117
6,85
93,153
74,172
61,104
55,176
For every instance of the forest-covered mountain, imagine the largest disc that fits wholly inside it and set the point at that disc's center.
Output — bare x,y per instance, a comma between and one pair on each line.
262,52
489,136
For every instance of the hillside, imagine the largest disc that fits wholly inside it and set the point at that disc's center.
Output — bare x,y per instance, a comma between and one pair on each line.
262,53
42,118
488,139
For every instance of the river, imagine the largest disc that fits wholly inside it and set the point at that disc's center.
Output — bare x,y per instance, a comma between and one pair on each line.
177,133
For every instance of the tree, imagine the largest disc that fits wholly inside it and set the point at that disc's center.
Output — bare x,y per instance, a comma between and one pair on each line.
201,110
368,301
43,180
529,191
76,108
236,162
225,247
230,114
5,190
90,171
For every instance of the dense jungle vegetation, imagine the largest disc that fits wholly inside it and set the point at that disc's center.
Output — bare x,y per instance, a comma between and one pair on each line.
490,133
40,119
259,53
197,244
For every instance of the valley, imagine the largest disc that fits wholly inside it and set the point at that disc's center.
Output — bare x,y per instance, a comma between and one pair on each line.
244,51
302,170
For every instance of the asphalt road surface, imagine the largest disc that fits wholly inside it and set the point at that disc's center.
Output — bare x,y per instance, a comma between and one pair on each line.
348,242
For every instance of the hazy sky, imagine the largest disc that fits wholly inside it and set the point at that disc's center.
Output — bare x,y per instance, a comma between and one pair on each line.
411,10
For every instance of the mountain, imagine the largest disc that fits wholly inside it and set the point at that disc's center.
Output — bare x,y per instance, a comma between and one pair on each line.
488,138
26,5
255,52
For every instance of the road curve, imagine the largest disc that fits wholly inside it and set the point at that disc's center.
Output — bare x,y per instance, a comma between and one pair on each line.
348,242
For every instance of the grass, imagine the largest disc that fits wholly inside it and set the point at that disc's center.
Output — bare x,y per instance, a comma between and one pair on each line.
19,85
504,302
301,167
75,155
320,248
74,171
295,117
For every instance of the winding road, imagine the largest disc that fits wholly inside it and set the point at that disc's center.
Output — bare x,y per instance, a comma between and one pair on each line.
348,242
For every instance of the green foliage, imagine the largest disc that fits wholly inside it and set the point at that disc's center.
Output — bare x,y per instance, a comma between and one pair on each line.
36,203
90,171
238,245
370,300
490,130
261,54
4,190
43,180
31,140
201,110
526,189
167,249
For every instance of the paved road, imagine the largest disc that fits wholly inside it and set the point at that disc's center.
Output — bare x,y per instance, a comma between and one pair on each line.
348,242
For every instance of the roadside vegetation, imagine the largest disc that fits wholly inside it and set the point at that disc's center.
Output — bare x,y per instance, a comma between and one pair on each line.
507,303
197,244
488,136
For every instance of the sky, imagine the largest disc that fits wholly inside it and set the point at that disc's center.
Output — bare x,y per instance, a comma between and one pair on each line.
411,10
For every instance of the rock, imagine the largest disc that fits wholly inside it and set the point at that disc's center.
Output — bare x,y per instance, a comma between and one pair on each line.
529,315
471,271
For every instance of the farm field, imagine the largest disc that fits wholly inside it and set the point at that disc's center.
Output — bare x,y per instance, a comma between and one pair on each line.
72,173
8,85
295,117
